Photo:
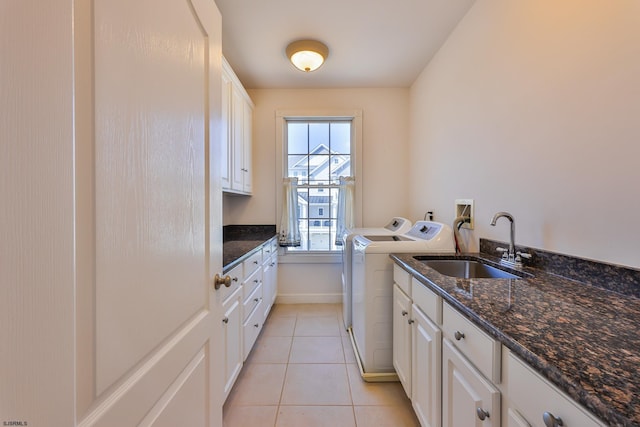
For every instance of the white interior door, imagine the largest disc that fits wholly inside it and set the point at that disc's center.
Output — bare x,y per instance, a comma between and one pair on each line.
110,216
148,336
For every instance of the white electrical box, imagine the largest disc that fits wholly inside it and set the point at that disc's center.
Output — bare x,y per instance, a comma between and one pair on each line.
464,208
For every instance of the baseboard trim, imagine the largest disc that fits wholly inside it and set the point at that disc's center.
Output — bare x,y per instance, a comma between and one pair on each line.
309,298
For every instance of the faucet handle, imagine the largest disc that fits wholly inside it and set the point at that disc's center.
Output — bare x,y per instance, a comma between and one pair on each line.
505,252
524,255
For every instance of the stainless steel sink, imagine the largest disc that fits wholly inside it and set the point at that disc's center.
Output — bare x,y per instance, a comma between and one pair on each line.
467,269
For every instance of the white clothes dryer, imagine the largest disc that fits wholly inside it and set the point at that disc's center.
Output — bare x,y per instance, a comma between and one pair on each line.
397,225
372,297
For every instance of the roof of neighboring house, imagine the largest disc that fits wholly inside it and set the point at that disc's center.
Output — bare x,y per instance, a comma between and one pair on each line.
314,200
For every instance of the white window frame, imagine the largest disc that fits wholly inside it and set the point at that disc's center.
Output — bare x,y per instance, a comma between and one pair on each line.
282,116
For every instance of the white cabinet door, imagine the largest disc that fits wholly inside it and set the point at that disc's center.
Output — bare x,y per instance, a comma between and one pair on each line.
402,337
247,147
426,369
237,155
468,399
226,131
269,281
232,325
514,419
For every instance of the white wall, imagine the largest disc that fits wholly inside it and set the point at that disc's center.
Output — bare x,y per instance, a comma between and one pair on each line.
385,121
533,107
37,258
385,135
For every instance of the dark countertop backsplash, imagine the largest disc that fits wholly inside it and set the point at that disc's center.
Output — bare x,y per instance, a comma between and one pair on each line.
610,277
240,240
247,232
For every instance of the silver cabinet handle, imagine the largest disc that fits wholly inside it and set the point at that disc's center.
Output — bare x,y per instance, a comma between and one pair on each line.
482,414
458,335
404,313
225,320
551,421
410,321
257,325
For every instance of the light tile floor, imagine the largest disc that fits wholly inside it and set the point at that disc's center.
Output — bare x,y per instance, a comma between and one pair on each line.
302,372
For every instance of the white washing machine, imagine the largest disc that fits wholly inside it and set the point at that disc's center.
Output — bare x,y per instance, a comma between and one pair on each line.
397,225
372,298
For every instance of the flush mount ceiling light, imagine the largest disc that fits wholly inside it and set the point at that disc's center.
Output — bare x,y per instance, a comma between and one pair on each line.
307,55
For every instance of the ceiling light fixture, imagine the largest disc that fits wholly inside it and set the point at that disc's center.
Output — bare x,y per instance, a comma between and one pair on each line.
307,55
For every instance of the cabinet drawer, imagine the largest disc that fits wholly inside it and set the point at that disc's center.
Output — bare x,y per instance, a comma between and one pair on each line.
251,283
428,301
402,279
251,329
481,350
251,302
252,263
533,395
269,249
236,280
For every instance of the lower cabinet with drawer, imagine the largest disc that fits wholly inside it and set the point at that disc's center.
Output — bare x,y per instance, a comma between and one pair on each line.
417,347
460,376
232,332
245,308
253,319
468,398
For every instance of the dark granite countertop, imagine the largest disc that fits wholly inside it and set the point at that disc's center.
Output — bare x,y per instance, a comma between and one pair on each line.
582,338
239,241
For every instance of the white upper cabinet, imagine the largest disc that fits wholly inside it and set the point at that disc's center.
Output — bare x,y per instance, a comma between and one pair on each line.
237,128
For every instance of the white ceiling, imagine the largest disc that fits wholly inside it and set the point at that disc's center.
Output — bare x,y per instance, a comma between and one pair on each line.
372,43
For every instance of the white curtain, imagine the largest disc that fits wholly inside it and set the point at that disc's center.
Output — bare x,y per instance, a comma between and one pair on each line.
346,202
289,225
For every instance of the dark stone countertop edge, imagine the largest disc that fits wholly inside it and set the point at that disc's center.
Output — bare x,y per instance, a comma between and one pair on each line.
592,403
236,251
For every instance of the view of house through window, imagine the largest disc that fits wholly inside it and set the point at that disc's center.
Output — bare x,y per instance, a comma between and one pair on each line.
318,153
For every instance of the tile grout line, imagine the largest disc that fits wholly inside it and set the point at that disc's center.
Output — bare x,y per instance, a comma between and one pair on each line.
286,371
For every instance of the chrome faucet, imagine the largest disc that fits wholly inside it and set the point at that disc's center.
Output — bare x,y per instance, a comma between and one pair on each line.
509,256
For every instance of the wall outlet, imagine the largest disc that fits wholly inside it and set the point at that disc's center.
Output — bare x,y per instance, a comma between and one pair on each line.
464,207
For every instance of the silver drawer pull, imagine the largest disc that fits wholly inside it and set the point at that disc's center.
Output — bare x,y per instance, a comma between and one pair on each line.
551,421
410,321
458,335
225,320
404,313
482,414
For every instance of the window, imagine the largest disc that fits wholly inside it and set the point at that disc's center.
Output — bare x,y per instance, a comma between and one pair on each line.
318,152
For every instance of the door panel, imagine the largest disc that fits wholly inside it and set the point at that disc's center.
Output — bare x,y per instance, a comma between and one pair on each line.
177,406
150,236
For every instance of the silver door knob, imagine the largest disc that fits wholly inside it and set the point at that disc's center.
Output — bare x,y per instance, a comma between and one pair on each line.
219,281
